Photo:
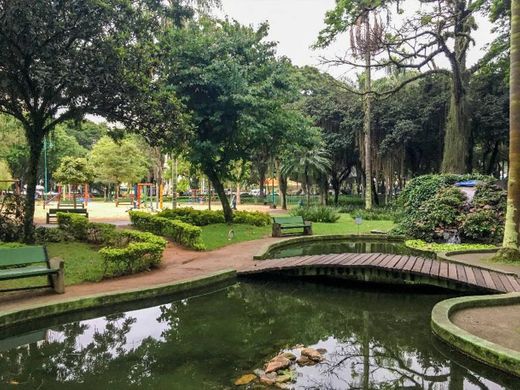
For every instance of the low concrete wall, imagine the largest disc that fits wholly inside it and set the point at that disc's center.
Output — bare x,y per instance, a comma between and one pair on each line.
71,305
493,354
265,251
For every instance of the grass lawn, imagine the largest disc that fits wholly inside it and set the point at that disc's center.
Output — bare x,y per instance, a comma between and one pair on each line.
216,236
347,225
82,264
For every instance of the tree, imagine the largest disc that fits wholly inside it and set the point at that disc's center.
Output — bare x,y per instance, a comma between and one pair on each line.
441,28
308,164
62,59
511,242
74,171
5,175
229,80
119,162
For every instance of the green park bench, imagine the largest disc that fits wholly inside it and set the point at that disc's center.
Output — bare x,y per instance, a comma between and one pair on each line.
30,261
52,213
281,224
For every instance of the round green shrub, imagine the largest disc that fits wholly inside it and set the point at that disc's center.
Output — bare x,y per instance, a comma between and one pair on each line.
317,213
482,226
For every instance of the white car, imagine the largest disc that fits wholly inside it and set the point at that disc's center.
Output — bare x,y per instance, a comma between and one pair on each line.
255,192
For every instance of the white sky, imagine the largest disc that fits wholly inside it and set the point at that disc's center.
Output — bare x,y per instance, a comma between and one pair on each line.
295,25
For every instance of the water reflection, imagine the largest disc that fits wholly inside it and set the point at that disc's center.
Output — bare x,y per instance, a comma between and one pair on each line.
375,340
345,246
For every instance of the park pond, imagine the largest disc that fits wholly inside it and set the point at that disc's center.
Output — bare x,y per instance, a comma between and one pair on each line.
348,245
374,339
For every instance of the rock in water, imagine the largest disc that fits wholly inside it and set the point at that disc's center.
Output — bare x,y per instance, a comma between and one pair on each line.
265,380
245,379
305,361
288,355
278,363
312,354
323,351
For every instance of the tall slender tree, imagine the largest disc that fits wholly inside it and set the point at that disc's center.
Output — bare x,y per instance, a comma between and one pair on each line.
511,242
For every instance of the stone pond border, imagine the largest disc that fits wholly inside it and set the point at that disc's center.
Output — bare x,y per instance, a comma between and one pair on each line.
490,353
44,310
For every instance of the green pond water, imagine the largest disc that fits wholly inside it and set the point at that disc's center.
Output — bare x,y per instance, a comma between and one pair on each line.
374,340
344,246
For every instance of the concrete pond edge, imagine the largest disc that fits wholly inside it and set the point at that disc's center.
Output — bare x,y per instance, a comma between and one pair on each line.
45,310
495,355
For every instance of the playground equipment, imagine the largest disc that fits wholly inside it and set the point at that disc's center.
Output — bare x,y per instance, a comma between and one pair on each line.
145,193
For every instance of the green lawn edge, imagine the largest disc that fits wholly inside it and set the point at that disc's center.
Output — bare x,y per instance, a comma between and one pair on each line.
33,312
490,353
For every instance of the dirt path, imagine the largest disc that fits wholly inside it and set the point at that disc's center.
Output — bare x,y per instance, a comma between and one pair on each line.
178,264
500,324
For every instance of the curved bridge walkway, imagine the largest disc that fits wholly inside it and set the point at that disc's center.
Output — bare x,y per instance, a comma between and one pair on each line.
387,268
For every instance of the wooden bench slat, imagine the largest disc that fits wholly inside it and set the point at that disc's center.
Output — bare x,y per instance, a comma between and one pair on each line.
22,255
25,272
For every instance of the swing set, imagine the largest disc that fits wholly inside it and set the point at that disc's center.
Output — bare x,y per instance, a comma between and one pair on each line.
145,194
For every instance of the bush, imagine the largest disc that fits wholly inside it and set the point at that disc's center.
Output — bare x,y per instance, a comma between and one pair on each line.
432,206
126,251
482,226
255,218
317,213
178,231
131,252
43,235
210,217
12,212
194,217
376,214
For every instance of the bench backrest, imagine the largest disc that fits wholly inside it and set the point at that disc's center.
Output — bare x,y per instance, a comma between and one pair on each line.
295,220
22,255
77,211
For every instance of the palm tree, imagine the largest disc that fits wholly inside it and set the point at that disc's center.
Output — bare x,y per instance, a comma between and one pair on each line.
307,164
511,243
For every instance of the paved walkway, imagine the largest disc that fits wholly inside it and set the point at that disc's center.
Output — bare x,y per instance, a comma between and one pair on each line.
396,267
178,264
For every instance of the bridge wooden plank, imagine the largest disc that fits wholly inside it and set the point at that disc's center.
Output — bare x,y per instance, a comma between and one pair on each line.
400,264
461,273
488,279
410,263
434,271
496,279
427,265
330,259
370,258
452,271
507,284
443,272
387,261
471,276
347,259
380,259
515,282
418,265
480,278
351,259
395,260
341,260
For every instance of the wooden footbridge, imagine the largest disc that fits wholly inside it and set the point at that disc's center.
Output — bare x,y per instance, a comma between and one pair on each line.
394,269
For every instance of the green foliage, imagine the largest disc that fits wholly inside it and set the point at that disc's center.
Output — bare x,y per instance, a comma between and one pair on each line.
74,171
45,235
125,251
180,232
436,247
432,206
254,218
119,162
483,226
12,212
5,174
374,214
317,213
210,217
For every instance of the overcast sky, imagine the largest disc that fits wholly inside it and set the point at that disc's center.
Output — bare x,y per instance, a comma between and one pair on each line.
295,25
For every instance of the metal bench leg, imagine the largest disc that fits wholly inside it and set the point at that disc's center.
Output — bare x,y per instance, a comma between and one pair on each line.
307,230
58,279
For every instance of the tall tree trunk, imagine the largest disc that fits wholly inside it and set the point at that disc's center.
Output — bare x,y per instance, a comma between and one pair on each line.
35,147
282,180
367,128
174,182
209,194
511,242
456,156
219,189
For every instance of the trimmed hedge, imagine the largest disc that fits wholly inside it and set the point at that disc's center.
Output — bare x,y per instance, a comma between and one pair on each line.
317,213
178,231
125,252
210,217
